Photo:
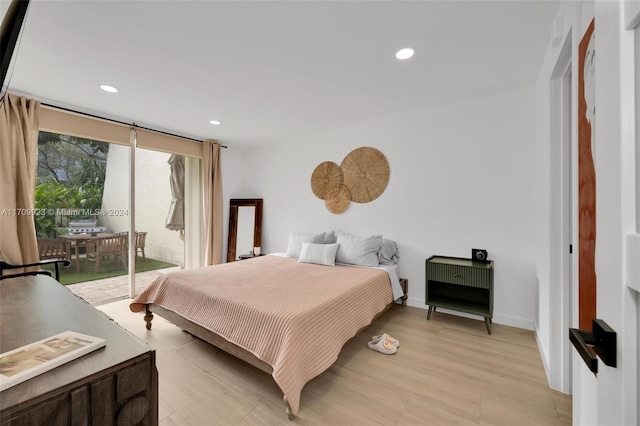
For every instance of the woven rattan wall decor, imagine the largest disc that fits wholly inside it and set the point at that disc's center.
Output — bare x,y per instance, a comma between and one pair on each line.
362,176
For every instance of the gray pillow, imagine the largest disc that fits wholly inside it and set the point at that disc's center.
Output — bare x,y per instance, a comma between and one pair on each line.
330,237
388,254
295,242
356,250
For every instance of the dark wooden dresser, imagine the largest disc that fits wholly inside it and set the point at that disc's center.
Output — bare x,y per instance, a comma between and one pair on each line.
116,384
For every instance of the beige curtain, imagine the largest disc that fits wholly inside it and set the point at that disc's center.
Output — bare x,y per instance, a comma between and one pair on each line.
19,119
212,203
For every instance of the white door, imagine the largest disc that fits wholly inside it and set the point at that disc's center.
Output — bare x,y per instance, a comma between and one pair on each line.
611,397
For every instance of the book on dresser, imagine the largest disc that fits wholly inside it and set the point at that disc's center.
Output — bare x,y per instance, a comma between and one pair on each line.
28,361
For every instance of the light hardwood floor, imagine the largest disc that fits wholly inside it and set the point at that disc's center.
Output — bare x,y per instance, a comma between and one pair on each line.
447,371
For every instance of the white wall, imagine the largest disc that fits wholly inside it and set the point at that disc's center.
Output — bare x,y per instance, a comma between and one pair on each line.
237,179
462,177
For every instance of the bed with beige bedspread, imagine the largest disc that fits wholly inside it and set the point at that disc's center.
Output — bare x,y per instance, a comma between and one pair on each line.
295,317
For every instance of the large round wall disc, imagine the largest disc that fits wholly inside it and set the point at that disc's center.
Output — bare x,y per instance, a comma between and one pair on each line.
366,174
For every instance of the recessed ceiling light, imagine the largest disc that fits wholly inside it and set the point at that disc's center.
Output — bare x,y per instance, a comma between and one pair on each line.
405,53
214,122
108,88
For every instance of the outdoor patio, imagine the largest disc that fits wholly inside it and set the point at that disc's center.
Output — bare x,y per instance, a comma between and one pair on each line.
107,290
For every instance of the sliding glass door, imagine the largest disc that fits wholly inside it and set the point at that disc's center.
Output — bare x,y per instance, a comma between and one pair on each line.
78,214
121,182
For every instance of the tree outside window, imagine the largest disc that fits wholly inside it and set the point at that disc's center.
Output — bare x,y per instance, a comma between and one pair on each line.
70,180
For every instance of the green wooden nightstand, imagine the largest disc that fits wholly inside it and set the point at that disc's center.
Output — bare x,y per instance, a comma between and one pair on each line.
460,284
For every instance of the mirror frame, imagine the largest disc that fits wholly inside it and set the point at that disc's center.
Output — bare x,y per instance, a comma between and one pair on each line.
234,203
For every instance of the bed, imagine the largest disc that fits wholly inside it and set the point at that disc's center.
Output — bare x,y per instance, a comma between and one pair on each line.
289,318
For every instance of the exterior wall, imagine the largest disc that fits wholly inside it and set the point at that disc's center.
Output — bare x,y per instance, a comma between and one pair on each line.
153,197
116,188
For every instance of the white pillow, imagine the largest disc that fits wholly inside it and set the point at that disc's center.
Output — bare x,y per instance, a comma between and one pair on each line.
355,250
322,254
296,240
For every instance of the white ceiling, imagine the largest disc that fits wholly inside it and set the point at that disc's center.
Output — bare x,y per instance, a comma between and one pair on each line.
274,71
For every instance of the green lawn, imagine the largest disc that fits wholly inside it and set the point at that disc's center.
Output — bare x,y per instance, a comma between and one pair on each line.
108,269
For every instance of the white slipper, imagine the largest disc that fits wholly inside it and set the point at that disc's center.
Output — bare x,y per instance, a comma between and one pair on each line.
395,342
383,346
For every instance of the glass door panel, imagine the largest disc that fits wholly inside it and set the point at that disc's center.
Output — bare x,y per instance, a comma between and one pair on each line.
159,214
82,196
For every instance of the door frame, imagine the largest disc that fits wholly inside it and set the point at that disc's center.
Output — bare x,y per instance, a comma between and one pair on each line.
563,265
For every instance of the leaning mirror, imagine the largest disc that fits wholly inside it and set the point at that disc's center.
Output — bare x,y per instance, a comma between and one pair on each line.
245,227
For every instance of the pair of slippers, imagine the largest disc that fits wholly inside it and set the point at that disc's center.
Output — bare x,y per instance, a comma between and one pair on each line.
384,344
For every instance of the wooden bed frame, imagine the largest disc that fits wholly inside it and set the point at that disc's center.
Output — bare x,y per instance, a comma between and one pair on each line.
222,344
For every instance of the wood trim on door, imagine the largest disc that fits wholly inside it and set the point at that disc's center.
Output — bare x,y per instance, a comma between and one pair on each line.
586,194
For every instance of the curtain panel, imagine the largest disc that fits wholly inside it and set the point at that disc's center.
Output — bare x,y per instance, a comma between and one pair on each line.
212,175
19,121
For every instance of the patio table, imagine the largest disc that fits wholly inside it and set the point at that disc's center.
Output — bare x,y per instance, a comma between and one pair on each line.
78,240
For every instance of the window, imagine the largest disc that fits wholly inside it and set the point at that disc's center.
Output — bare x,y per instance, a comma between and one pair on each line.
151,179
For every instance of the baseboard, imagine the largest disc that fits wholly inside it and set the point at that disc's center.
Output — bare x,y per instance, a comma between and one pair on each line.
416,303
512,321
497,317
543,357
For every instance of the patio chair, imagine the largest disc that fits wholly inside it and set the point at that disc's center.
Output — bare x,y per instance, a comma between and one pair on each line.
141,238
54,248
103,247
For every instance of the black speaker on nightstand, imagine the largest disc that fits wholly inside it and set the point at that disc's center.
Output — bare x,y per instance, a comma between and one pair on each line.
479,255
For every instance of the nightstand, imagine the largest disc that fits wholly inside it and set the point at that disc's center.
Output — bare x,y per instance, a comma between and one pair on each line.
460,284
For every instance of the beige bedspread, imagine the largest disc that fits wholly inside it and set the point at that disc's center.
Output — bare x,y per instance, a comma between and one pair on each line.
294,316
